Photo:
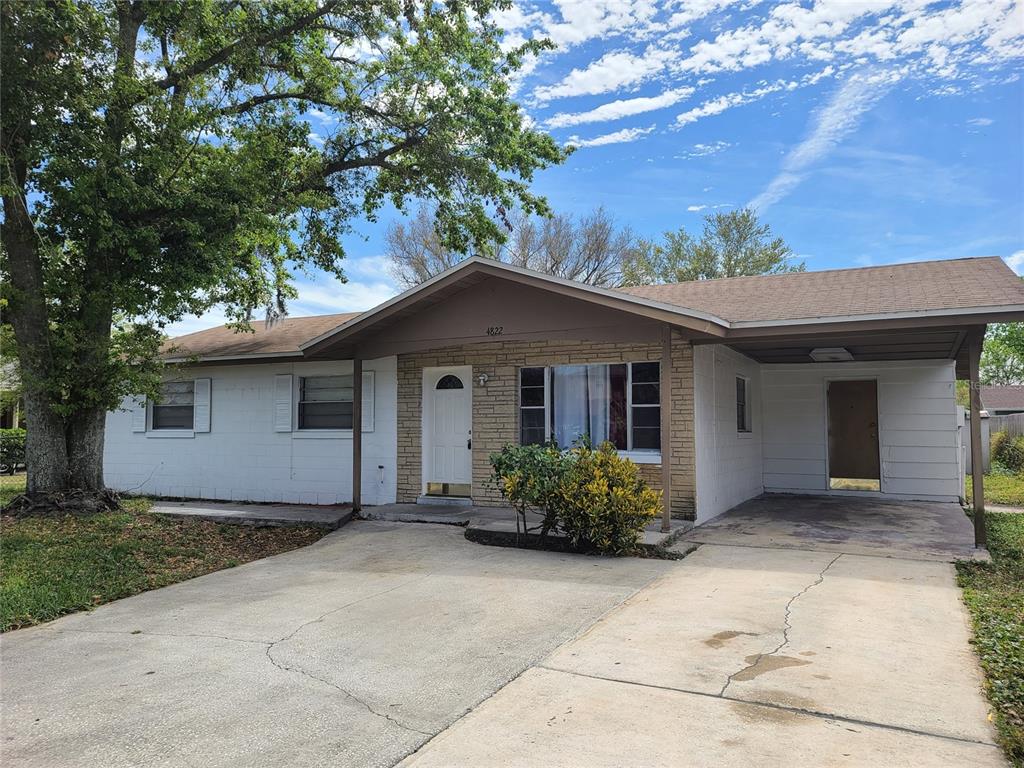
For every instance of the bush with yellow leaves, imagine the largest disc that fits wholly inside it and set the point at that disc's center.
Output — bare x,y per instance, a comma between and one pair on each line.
602,503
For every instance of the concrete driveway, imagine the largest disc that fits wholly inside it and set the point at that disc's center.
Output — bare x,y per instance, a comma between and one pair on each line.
352,652
783,648
377,641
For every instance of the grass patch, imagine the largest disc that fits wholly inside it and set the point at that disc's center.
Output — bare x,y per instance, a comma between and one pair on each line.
994,593
51,567
1000,489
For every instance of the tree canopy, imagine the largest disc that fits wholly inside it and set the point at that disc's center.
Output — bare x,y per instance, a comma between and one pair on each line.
732,244
159,158
1002,356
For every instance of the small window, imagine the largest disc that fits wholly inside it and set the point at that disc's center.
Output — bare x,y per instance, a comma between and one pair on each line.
325,402
532,410
176,408
742,404
645,405
449,382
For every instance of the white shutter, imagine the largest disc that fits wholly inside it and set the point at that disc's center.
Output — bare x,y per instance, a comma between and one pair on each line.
367,401
201,406
138,409
283,403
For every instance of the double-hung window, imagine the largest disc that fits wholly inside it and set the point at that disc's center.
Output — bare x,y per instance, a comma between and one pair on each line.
176,408
619,403
325,402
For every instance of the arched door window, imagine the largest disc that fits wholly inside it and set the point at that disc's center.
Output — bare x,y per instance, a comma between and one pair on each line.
449,382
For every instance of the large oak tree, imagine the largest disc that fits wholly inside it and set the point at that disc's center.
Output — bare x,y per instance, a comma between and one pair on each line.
158,159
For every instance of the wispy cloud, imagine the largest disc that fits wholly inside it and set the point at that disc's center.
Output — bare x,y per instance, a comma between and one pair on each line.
728,101
614,70
618,137
1015,261
695,208
703,150
830,125
616,110
980,122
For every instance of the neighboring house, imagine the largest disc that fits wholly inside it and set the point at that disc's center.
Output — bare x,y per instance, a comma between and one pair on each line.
1003,400
835,382
11,407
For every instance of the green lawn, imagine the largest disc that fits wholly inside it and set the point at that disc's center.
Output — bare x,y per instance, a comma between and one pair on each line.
994,593
50,567
1001,489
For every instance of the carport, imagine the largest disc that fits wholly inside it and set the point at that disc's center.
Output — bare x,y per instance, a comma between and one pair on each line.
851,365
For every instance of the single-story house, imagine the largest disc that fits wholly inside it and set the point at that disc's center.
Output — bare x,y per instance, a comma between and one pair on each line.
1003,400
831,382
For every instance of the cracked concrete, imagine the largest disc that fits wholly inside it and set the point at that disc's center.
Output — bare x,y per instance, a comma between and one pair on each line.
751,655
755,661
351,652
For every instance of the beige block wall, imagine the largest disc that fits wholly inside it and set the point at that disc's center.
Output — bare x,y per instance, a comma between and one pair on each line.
496,413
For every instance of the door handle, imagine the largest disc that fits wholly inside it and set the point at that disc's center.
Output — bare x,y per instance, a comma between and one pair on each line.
469,444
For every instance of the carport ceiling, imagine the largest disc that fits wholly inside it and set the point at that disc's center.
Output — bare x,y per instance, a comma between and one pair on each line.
882,345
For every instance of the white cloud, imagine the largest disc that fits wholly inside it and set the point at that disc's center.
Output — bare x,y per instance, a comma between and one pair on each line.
703,150
616,110
334,296
831,125
951,46
618,137
980,122
1015,261
695,208
613,71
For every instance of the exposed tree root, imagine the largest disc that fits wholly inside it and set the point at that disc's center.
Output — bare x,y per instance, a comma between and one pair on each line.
79,502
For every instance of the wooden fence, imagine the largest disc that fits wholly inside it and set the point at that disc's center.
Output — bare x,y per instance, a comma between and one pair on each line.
1012,424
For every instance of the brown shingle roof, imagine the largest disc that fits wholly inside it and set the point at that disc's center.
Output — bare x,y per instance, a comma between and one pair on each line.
921,286
1007,396
284,336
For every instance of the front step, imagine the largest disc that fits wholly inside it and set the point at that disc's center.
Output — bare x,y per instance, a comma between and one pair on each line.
445,501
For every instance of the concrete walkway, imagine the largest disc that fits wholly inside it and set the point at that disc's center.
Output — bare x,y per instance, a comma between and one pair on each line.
330,517
752,654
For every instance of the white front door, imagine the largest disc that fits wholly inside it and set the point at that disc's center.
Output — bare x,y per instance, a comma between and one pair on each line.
448,429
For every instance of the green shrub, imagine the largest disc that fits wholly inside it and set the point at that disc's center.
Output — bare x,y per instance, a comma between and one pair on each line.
603,503
595,498
1008,451
12,448
528,477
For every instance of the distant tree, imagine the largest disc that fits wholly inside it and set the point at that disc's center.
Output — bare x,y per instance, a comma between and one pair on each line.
1002,357
732,244
589,249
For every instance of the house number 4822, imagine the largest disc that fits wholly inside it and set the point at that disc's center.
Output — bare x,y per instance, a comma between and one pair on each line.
495,330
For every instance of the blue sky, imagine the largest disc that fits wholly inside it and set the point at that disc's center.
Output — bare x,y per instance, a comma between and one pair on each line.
864,132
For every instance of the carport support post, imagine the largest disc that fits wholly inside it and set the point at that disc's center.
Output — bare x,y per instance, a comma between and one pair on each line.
666,424
357,433
977,470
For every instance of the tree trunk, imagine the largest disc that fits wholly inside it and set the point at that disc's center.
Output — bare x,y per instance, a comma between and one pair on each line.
85,436
46,454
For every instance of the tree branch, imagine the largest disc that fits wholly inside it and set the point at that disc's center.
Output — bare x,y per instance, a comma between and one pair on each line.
377,160
175,78
266,98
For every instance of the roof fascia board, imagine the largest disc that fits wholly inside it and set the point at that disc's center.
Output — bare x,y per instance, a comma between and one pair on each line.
964,312
247,358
